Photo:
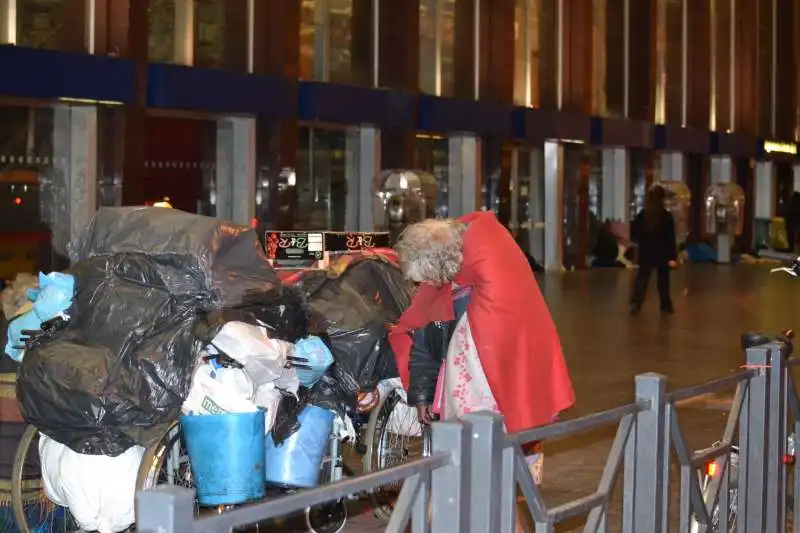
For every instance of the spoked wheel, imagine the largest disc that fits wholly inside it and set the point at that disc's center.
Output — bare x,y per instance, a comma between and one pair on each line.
394,436
166,463
32,511
327,518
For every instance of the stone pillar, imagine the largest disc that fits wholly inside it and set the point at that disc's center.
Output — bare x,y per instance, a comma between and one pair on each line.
616,185
796,177
721,169
72,187
362,169
553,205
764,190
236,169
462,175
673,166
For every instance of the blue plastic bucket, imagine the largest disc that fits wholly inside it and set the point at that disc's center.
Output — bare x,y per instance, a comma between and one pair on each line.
226,453
297,461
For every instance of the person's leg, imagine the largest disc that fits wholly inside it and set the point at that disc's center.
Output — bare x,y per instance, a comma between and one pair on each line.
663,288
640,287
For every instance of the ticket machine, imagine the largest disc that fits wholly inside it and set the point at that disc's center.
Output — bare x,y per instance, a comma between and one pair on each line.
678,201
724,213
403,197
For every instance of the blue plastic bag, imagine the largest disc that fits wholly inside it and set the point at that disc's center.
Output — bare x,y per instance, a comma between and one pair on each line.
51,299
319,358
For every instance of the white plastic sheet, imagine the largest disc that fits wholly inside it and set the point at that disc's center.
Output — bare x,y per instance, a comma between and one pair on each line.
98,490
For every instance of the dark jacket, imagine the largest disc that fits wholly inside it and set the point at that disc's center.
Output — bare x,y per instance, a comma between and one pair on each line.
427,354
657,247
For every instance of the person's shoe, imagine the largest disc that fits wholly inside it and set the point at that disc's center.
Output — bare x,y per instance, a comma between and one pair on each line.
635,309
668,310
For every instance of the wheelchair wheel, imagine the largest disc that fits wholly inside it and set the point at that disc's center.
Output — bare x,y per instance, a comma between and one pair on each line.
32,512
393,436
329,517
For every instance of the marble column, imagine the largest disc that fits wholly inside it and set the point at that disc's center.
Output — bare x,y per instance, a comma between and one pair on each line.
236,169
553,205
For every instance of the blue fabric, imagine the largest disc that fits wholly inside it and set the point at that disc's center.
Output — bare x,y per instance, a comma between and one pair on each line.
51,299
319,359
701,253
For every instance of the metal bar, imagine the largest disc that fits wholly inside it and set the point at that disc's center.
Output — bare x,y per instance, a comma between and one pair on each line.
406,503
724,496
576,507
486,470
533,497
735,413
420,521
649,454
703,457
711,386
508,499
450,491
301,500
610,472
577,425
744,444
793,401
796,491
685,499
776,446
170,509
752,488
689,478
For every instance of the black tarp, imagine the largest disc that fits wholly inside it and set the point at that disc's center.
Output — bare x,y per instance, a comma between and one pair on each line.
119,372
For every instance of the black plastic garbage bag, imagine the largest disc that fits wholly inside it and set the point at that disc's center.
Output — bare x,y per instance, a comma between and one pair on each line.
355,301
98,400
225,258
283,313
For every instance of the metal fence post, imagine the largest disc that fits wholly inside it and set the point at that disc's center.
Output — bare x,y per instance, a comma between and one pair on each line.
165,509
753,424
776,445
486,473
649,495
450,485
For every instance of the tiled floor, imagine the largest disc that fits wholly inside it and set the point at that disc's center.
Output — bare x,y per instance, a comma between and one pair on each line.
606,348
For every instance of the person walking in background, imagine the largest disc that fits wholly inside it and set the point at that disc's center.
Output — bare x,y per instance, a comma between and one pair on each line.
792,217
653,230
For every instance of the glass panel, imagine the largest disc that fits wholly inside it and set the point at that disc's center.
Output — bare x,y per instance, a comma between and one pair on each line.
530,201
428,53
432,155
674,61
765,68
210,33
110,155
448,25
321,180
721,60
308,38
573,161
526,52
161,35
51,24
180,157
30,196
548,57
614,58
340,33
638,180
599,29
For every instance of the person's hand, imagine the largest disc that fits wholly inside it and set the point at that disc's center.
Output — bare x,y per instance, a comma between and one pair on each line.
425,413
673,264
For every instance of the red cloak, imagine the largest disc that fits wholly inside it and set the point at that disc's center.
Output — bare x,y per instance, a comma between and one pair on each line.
513,331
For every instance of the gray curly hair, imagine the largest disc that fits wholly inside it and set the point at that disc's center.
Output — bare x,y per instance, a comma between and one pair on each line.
431,251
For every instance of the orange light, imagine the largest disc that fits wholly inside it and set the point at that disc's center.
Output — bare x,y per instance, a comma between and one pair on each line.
711,469
17,201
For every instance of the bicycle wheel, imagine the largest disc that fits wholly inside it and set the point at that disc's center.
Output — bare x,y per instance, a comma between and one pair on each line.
166,463
393,437
32,511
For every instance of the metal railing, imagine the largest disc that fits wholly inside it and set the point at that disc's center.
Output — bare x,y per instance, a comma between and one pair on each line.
470,482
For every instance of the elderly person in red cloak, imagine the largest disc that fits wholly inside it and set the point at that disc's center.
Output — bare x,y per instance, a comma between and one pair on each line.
478,334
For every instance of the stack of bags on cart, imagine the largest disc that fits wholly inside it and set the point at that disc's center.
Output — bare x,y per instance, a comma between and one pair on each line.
161,311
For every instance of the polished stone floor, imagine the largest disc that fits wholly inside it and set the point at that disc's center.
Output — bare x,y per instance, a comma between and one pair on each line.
606,348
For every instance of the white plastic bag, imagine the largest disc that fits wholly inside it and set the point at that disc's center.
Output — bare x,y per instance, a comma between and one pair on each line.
263,358
98,490
211,397
268,397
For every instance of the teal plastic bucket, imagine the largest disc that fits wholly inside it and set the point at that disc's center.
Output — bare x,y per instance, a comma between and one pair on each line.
226,453
297,461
